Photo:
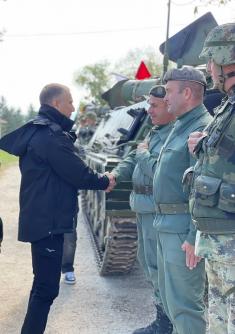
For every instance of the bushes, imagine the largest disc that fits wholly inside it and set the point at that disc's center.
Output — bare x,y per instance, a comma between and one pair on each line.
6,159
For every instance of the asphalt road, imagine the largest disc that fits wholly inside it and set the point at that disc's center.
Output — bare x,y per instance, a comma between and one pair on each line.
95,305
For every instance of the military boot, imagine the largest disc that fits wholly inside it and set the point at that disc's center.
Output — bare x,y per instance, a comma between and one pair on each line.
161,325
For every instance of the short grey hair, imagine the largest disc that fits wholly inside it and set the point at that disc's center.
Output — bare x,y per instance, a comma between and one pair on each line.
51,91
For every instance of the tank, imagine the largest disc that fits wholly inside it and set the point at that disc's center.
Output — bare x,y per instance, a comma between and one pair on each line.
112,223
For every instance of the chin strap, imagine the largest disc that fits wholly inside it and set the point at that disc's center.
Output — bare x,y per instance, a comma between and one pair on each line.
222,79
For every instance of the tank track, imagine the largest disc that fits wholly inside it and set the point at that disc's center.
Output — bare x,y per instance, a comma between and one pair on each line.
116,252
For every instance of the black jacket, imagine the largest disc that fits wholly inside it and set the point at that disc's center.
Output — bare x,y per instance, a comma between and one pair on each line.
51,175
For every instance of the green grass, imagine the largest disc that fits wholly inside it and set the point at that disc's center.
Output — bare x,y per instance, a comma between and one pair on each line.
6,159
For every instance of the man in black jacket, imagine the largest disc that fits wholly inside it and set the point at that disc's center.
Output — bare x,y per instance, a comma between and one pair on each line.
51,175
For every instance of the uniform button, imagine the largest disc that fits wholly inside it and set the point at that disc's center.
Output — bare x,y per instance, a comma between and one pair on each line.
204,187
233,195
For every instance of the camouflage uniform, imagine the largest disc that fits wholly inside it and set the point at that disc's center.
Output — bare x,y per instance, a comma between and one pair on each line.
212,201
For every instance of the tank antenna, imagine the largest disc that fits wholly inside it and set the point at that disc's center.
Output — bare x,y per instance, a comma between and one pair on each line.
166,58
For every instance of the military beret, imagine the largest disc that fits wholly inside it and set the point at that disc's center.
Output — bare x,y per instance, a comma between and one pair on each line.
158,91
186,73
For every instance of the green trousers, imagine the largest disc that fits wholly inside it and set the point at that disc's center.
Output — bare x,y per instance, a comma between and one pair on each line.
147,250
181,289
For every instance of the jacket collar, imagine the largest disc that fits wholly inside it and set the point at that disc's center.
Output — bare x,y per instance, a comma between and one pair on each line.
55,116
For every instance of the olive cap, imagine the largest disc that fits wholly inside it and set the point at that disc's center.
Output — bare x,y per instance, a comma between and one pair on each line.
186,73
158,91
220,45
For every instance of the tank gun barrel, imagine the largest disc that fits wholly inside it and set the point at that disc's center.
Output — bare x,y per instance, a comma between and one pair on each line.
127,92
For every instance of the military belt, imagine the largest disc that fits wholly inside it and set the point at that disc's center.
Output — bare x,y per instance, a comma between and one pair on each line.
215,225
145,190
172,208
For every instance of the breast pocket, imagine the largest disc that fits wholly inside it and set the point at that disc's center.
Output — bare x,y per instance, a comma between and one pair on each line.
207,190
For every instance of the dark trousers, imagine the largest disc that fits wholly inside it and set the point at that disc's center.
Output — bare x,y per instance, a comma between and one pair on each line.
46,260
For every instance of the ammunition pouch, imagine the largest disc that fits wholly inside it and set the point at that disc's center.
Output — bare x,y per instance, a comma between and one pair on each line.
206,190
227,197
213,193
144,190
172,208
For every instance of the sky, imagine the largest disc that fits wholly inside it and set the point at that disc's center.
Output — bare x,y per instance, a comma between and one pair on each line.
49,40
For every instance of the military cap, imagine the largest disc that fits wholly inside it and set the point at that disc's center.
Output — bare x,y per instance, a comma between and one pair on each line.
220,44
186,73
158,91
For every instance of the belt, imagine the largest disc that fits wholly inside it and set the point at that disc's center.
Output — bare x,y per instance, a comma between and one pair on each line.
171,209
215,225
145,190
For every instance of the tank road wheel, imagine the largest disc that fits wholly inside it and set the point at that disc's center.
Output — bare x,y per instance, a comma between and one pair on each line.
120,246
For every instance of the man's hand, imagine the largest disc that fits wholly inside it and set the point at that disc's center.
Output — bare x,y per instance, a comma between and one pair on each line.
112,181
191,259
143,146
194,138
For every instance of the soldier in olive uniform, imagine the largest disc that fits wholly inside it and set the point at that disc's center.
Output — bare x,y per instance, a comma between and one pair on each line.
140,165
181,274
212,201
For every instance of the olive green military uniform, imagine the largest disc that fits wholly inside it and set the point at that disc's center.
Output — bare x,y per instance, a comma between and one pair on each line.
140,165
213,209
181,289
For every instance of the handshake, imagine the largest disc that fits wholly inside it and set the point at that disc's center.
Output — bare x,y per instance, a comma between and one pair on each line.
112,181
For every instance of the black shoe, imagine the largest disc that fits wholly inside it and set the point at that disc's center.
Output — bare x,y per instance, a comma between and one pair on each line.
161,325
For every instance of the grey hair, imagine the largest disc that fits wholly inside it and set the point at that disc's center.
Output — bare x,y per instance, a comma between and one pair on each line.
51,91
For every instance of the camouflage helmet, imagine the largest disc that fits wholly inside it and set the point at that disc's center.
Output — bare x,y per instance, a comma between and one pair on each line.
220,45
91,115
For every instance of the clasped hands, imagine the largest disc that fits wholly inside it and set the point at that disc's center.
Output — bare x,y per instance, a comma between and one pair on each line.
112,181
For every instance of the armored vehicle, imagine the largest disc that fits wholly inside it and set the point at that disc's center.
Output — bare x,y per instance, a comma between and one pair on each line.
111,221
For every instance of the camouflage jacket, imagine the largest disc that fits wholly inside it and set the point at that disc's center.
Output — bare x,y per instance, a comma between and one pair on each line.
216,202
140,166
212,199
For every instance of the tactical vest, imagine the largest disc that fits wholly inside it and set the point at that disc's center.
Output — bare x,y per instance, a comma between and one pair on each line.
212,198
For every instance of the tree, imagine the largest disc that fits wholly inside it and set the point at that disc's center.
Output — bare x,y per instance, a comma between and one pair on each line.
13,117
128,65
212,2
95,79
31,113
